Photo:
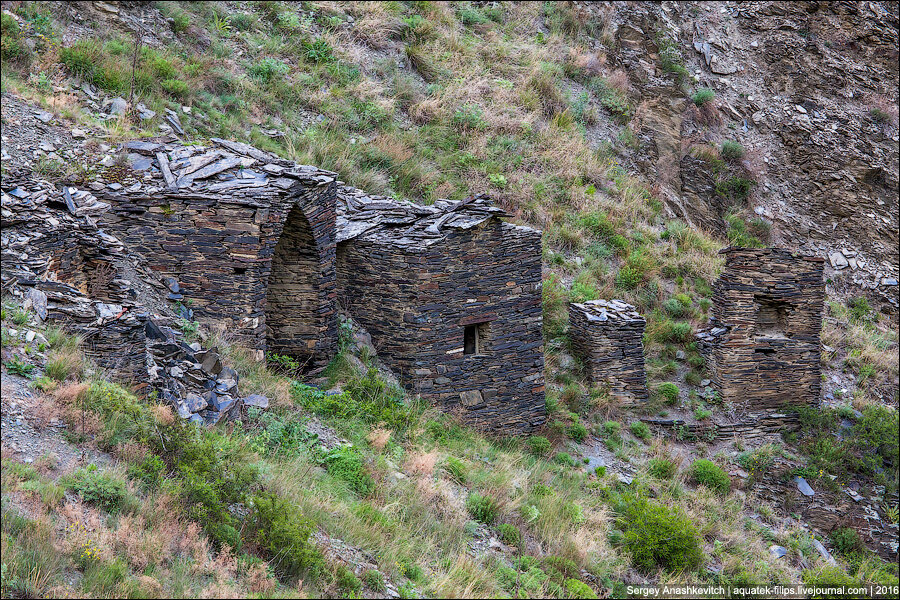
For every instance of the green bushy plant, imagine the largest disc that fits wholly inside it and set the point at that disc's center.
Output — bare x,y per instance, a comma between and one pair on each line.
640,430
538,445
346,464
709,474
731,150
283,533
482,508
668,392
657,536
702,96
662,468
577,432
578,589
103,489
510,534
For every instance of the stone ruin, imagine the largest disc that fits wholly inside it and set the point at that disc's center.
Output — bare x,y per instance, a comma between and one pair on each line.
609,337
66,269
763,350
263,247
452,298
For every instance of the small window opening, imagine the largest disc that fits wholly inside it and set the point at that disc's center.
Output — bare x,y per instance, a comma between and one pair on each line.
771,317
475,338
765,350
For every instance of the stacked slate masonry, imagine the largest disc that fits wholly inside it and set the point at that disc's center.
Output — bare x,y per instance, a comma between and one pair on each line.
452,298
264,247
609,337
248,237
764,349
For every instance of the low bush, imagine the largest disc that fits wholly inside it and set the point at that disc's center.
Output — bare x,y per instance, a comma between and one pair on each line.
482,508
102,489
577,432
456,469
662,468
731,150
669,392
640,430
709,474
578,589
281,530
346,464
538,445
510,534
657,536
564,458
702,96
846,540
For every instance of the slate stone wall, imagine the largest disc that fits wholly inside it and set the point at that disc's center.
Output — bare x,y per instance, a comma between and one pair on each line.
417,301
765,351
610,340
220,250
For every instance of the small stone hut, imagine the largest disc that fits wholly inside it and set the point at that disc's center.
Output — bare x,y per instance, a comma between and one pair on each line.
609,337
246,236
764,350
451,295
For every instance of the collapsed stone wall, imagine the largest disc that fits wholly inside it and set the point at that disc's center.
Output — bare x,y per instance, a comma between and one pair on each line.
418,299
764,350
609,337
247,236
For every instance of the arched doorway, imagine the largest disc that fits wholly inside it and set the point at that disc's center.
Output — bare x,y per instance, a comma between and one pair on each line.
294,320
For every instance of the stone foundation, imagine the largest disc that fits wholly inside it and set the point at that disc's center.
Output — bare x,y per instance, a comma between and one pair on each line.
609,338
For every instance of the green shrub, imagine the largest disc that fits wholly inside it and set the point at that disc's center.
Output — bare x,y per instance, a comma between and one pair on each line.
658,536
828,576
662,468
483,509
269,69
846,540
640,430
150,471
709,474
510,534
317,50
11,45
346,464
282,532
538,445
82,58
577,432
348,583
629,277
735,189
564,458
674,308
875,435
578,589
103,489
457,469
468,117
374,580
702,96
175,88
180,21
669,392
731,150
668,331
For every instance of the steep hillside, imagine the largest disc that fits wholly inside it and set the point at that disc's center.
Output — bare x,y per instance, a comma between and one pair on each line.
641,137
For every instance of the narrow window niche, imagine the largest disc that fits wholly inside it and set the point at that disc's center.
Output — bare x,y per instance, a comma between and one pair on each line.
475,338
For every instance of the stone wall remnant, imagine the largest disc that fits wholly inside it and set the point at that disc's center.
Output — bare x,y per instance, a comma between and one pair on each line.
763,350
609,337
249,238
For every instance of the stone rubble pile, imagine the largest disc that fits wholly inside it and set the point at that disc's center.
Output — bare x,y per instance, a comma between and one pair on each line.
65,268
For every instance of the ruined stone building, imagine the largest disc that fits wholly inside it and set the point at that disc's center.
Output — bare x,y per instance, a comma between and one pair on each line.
608,335
764,349
449,292
451,295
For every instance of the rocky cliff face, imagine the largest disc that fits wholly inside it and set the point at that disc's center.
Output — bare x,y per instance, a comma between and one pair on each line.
809,89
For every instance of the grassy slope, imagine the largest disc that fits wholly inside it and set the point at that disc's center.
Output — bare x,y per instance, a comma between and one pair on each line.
481,102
